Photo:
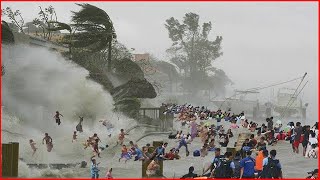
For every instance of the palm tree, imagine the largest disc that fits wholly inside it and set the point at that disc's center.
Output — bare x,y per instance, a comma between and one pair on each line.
95,30
58,26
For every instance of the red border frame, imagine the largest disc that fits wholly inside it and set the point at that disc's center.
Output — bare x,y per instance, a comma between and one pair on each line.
148,1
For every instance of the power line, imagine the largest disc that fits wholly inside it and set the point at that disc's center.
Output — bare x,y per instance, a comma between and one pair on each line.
283,112
259,88
286,107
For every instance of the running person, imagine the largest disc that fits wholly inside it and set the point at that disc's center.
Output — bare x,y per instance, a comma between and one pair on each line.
57,117
96,147
108,125
124,154
33,147
297,137
121,137
79,126
48,140
74,136
183,142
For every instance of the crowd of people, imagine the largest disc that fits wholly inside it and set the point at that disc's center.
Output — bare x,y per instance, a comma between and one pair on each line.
207,125
242,165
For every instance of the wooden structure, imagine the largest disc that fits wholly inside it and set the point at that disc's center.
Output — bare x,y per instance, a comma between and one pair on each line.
232,150
145,164
10,159
166,120
156,144
241,138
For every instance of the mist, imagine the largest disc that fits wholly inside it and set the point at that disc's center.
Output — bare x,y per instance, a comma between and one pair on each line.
39,82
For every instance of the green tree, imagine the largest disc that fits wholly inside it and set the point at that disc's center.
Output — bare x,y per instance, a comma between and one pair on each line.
95,30
219,81
192,50
165,72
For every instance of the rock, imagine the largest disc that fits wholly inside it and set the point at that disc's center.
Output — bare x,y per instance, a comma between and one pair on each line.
128,69
138,88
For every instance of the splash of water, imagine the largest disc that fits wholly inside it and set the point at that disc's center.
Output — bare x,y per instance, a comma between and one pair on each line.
39,82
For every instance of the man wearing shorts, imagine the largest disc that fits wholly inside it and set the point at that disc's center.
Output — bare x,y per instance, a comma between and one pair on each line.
297,137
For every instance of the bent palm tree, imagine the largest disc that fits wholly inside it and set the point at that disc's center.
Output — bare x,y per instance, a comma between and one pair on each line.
95,30
58,26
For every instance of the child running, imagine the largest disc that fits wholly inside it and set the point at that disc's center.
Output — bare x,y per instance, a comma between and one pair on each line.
74,137
33,147
108,125
109,174
121,137
57,117
87,143
124,154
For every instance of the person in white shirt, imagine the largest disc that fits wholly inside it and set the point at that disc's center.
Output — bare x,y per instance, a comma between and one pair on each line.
312,148
108,125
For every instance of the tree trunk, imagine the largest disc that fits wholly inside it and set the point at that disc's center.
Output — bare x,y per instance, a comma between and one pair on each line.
109,55
70,46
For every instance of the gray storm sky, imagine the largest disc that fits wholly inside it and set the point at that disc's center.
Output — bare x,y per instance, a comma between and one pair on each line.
263,43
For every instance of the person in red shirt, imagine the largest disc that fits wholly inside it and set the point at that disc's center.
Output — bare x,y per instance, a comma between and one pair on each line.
170,155
253,141
281,136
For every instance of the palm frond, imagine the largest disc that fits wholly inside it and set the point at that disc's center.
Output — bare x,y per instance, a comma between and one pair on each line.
57,26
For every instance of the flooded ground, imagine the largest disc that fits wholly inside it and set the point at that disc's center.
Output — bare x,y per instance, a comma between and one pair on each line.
294,165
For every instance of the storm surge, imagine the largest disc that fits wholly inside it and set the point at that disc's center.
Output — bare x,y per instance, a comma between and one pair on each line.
37,83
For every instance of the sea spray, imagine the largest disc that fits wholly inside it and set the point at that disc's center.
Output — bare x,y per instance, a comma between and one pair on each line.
39,82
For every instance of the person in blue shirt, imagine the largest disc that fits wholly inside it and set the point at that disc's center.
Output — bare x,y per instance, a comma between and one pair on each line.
265,162
94,169
246,146
183,142
160,151
247,166
232,167
215,163
139,154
